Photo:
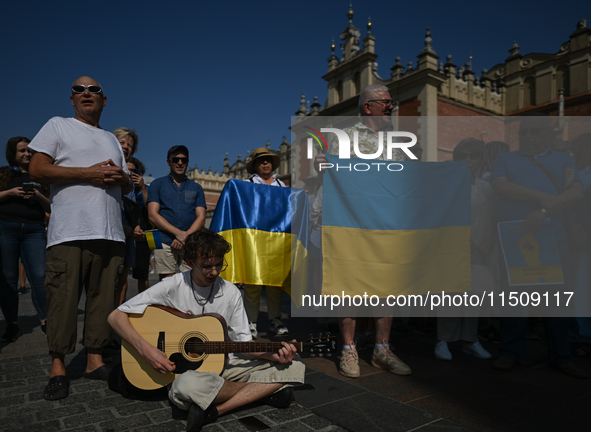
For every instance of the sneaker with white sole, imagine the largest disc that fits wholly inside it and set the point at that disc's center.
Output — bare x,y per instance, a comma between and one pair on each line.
349,365
278,327
476,350
253,329
386,359
442,351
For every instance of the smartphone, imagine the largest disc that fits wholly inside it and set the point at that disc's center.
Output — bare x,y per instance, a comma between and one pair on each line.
253,423
136,171
28,187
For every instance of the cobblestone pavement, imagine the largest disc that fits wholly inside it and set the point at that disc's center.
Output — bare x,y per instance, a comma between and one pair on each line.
465,394
91,405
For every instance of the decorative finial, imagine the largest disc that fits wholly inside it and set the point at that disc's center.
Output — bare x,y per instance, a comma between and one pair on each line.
226,154
409,66
368,25
515,48
582,24
428,40
350,14
247,153
302,110
332,46
268,144
398,61
448,58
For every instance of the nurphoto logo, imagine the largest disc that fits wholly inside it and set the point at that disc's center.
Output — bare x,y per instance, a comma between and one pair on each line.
392,142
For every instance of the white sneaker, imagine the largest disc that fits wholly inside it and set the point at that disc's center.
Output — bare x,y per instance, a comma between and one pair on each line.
278,327
253,329
476,350
442,351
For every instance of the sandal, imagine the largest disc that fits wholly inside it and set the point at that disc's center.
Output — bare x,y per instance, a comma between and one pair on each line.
58,387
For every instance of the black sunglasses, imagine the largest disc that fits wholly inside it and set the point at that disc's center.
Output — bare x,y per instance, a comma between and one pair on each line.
79,88
175,160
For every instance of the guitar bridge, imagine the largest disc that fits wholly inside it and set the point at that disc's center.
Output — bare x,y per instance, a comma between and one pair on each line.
161,346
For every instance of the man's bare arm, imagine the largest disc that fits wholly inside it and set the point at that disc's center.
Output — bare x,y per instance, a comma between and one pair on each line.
551,203
104,174
119,321
199,222
161,223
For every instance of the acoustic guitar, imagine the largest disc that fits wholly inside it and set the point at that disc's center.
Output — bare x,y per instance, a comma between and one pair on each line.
194,343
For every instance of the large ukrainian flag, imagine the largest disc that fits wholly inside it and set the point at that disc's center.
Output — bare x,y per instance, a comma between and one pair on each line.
263,224
405,232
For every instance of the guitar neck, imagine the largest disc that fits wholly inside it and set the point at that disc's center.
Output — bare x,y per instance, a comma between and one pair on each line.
244,347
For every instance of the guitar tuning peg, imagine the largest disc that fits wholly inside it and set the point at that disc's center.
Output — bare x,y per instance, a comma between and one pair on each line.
320,355
312,355
328,355
319,335
328,335
311,336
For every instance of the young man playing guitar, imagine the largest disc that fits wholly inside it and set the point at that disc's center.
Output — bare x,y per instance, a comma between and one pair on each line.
247,377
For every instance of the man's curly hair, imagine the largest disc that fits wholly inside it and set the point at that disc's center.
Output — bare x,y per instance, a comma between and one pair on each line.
206,244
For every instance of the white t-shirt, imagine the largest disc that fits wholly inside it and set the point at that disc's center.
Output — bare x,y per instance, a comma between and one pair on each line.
81,211
180,293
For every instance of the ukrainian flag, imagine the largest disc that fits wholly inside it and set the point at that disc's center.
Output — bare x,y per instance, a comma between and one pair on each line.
153,239
263,224
396,232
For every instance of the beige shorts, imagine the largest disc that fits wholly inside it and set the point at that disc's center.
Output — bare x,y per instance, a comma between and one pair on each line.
166,260
201,388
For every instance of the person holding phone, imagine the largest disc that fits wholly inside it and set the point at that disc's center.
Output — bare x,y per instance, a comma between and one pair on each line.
129,141
23,204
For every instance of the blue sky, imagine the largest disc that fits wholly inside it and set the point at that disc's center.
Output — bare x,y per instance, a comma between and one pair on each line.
227,77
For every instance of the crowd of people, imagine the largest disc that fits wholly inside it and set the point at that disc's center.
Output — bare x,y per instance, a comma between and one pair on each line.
86,182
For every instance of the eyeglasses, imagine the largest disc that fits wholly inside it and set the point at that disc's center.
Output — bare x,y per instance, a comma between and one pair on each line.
384,102
79,88
175,160
209,269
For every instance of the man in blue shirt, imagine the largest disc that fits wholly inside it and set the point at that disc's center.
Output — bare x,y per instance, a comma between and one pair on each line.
526,192
176,205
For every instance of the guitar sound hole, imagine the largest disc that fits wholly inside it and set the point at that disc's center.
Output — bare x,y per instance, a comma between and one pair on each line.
194,347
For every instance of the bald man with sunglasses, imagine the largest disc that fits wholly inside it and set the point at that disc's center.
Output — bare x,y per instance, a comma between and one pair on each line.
86,169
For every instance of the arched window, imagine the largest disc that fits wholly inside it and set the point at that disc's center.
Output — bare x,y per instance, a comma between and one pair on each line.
562,80
529,91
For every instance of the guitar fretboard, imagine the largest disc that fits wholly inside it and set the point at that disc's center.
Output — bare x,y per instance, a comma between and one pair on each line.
240,347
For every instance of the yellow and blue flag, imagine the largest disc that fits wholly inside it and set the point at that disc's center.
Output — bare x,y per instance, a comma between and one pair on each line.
263,224
396,232
153,239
